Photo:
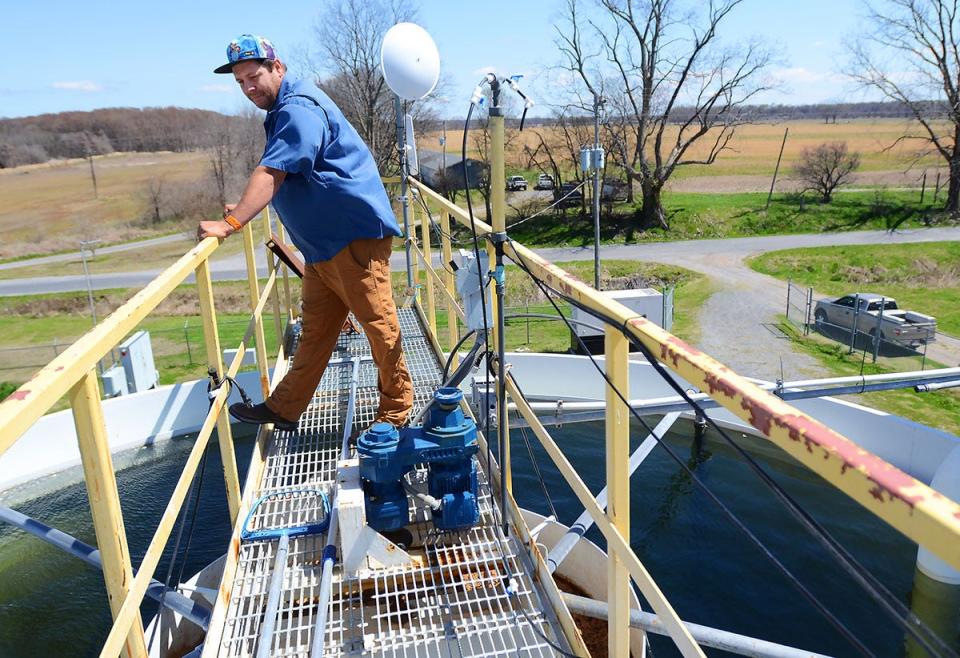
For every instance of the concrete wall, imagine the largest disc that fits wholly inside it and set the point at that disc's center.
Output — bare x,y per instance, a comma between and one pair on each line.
50,445
914,448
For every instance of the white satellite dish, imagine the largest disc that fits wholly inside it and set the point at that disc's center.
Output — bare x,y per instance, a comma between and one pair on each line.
410,61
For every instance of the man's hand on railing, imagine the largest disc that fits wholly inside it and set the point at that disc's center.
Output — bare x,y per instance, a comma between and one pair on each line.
216,229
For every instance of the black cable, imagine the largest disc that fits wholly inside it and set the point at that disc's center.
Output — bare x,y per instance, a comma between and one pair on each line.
807,594
193,518
446,366
914,626
536,469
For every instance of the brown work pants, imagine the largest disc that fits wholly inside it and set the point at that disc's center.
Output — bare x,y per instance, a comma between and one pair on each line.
356,279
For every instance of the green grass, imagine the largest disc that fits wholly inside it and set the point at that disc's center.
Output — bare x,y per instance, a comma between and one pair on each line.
939,409
924,276
696,215
179,352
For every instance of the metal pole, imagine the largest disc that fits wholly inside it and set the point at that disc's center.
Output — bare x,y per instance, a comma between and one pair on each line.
498,237
404,172
708,637
856,321
877,330
596,190
186,338
777,169
789,285
86,275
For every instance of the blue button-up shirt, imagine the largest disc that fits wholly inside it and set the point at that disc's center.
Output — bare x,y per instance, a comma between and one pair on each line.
332,193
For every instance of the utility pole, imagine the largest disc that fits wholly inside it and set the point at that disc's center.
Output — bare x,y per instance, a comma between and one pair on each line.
86,274
596,161
777,168
93,176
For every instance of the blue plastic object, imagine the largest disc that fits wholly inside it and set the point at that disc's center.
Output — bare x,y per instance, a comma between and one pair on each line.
447,443
292,531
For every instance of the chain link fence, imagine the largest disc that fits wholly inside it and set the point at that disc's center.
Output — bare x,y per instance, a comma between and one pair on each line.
860,326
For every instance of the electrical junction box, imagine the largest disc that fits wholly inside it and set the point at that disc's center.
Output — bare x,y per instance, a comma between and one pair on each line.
647,302
115,382
468,285
136,355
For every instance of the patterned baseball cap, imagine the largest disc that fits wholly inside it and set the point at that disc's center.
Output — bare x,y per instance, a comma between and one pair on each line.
244,47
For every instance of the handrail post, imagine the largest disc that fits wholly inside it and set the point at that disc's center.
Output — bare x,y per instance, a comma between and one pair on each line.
414,263
287,299
211,339
105,502
254,286
428,264
446,253
271,263
618,487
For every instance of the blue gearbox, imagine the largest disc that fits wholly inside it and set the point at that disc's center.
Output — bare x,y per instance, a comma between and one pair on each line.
446,443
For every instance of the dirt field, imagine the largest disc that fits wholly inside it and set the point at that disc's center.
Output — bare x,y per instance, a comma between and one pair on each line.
754,148
51,207
47,208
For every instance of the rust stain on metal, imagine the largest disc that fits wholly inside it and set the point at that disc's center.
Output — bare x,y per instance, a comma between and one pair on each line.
890,483
20,395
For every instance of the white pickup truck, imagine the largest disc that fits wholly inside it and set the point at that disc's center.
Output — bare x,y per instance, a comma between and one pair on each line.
895,324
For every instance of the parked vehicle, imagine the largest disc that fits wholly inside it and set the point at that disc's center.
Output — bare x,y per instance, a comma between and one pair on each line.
568,195
544,182
871,313
515,183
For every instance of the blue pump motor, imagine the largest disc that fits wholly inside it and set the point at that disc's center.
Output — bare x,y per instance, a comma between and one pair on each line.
447,443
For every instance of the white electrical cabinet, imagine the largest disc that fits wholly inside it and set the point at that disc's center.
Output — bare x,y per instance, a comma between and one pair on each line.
647,302
136,356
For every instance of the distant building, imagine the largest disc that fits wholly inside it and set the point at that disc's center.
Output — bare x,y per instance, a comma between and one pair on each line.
446,172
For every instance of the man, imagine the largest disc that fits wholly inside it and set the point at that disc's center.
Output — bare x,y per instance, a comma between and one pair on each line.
324,183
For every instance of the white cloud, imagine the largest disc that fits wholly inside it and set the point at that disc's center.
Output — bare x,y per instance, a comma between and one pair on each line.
216,89
801,75
78,85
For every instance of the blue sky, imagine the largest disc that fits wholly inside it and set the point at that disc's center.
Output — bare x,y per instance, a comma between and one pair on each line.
85,55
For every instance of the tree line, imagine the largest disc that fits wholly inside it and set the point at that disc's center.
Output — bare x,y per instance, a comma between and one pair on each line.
35,139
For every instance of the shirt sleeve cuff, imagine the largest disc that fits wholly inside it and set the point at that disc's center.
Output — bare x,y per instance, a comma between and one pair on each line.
282,166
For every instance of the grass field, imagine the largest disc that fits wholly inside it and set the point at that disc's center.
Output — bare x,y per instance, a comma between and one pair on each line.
48,208
754,148
924,276
33,324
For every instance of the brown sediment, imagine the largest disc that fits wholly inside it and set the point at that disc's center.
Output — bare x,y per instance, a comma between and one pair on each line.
593,631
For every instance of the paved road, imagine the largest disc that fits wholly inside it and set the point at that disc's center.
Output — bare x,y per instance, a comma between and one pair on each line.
737,322
126,246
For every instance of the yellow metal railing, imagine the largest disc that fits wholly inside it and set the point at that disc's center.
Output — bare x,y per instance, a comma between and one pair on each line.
914,509
73,373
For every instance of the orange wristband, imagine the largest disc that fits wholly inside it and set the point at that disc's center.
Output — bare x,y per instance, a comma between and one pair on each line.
233,222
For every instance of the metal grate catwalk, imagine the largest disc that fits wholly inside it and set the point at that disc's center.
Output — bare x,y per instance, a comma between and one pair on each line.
452,602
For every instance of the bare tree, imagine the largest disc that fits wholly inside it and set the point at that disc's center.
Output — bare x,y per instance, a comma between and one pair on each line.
911,57
155,199
347,67
678,94
826,167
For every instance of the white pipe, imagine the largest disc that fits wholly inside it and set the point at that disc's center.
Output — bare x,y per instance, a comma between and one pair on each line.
595,405
709,637
584,522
